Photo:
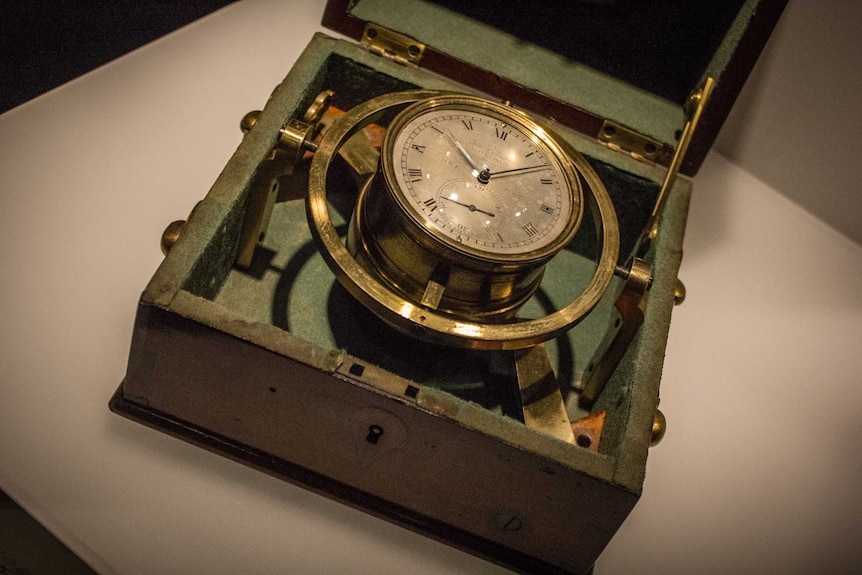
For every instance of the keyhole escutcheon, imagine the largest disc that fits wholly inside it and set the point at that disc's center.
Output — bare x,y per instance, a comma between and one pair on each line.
374,434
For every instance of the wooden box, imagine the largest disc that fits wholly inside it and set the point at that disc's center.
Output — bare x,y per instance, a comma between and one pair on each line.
276,366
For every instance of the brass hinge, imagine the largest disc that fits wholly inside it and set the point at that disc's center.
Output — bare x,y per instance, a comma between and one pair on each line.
392,45
623,139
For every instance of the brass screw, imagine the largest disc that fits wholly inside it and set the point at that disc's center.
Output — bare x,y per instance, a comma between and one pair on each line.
249,120
659,427
678,292
171,235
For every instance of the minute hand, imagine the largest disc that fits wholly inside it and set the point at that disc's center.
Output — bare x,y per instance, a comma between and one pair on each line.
517,171
461,150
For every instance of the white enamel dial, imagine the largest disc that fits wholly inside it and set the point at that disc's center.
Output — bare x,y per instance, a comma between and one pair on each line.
481,181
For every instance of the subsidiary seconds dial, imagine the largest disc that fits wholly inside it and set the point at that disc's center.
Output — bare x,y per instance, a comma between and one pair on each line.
482,181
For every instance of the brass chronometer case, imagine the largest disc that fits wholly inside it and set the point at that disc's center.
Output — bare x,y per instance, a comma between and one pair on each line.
246,344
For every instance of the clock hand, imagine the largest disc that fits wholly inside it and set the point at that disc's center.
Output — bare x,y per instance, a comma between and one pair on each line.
483,175
517,171
461,151
470,207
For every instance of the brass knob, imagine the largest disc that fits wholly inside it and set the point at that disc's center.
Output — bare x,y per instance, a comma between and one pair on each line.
678,292
249,120
171,235
659,427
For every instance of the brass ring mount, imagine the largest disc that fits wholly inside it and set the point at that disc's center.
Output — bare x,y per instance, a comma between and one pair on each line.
422,322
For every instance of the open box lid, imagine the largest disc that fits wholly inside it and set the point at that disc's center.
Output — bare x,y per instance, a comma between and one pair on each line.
585,62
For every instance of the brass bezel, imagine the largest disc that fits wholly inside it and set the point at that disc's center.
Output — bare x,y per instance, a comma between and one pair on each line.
438,241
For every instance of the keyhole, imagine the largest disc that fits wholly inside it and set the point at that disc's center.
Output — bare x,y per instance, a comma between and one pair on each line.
374,433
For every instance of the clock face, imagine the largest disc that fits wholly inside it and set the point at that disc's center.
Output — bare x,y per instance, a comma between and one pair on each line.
483,181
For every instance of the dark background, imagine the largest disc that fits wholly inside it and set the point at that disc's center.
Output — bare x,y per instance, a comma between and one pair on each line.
46,43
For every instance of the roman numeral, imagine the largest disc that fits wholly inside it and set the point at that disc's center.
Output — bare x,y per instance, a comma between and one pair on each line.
547,181
418,148
502,134
530,229
467,124
430,203
530,154
547,209
414,174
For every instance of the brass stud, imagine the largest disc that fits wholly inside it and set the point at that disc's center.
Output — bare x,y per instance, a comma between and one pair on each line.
171,235
249,120
678,292
659,427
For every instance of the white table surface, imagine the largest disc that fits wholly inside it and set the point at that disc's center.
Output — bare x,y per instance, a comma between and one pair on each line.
760,470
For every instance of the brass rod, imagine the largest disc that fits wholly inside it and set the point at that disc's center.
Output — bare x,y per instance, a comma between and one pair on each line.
694,109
